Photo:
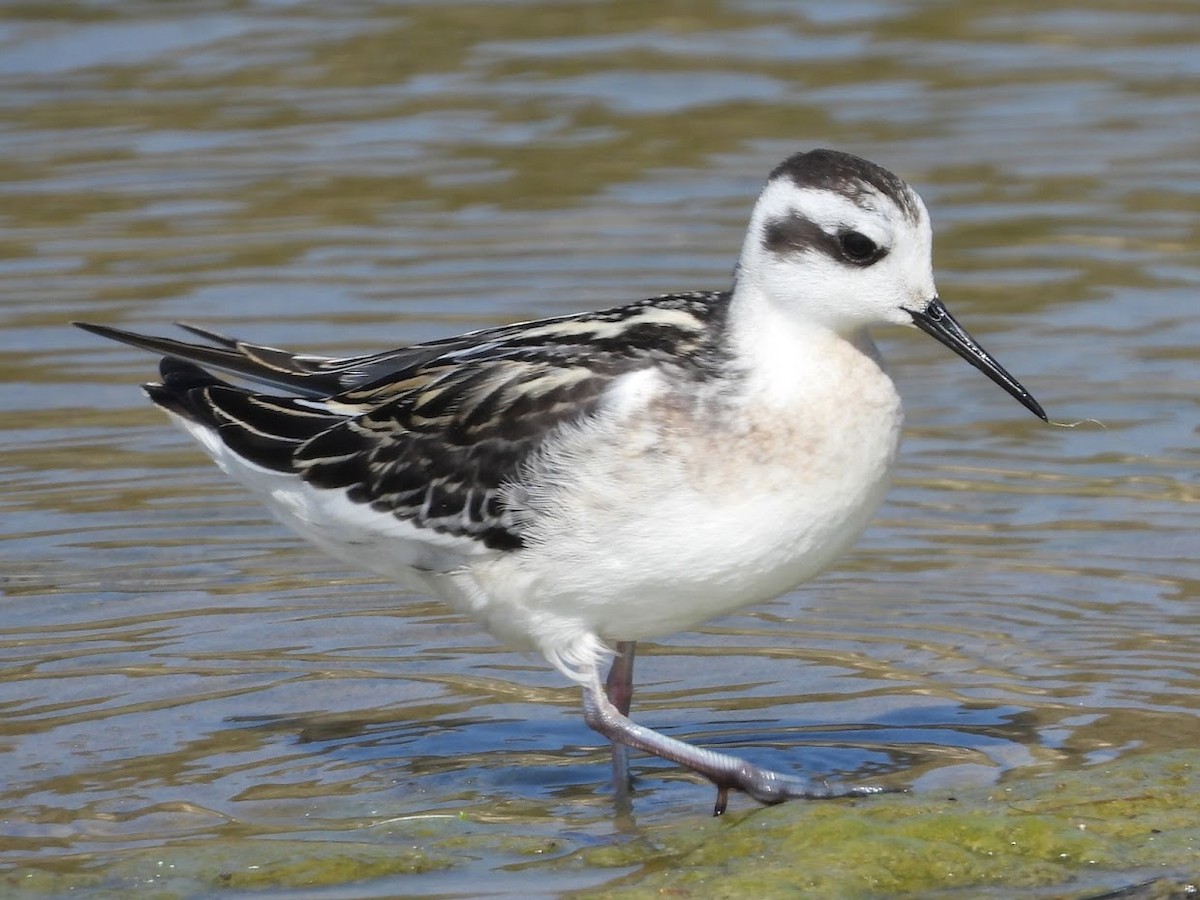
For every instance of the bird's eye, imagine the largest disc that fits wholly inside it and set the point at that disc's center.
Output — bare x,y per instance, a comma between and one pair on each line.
857,247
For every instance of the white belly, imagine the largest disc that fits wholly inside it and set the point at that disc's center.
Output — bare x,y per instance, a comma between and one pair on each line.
669,520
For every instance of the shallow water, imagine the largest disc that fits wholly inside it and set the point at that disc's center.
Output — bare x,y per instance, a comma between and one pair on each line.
177,671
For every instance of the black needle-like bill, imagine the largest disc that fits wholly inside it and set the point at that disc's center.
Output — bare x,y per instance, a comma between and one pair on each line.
935,320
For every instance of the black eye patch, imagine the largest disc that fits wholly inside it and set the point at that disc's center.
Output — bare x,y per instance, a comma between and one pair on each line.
798,234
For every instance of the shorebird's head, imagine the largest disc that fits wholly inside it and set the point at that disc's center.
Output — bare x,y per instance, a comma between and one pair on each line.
841,243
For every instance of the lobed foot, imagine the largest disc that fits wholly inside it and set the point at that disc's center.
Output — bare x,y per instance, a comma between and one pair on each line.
770,787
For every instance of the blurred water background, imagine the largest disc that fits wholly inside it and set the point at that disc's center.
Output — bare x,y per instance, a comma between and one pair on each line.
181,678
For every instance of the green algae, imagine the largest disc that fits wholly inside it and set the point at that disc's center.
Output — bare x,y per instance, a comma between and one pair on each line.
1080,833
187,870
315,865
1128,829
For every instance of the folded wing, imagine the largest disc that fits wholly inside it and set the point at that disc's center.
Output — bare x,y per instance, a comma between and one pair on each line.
433,433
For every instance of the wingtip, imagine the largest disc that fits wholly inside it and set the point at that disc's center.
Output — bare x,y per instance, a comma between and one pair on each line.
113,334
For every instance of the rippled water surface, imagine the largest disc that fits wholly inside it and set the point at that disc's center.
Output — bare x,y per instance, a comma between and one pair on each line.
177,672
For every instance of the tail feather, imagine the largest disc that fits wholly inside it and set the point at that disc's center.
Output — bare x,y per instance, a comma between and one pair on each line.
261,429
181,390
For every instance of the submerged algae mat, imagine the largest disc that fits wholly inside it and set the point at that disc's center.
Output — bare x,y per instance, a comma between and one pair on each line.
1129,829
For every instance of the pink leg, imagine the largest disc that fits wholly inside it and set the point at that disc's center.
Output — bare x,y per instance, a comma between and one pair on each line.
724,771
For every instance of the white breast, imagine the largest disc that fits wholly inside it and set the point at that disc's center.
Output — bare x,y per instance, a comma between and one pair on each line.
675,508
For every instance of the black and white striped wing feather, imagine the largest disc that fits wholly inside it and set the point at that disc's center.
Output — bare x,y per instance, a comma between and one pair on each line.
430,434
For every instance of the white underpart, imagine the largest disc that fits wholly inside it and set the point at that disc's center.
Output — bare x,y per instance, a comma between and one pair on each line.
651,519
676,507
350,531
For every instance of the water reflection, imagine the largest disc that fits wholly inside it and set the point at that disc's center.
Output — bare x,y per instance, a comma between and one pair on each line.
177,668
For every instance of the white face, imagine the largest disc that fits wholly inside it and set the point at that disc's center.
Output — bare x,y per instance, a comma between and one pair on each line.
845,256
